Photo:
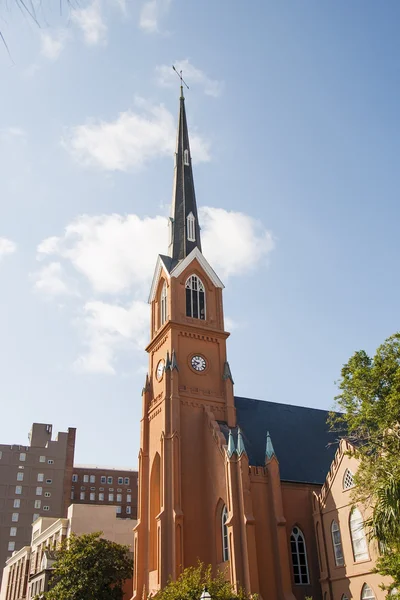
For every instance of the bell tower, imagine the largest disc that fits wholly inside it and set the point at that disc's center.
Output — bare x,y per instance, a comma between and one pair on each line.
188,375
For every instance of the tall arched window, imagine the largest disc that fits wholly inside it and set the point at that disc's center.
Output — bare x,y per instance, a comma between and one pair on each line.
299,557
191,228
337,544
367,593
348,479
163,304
224,533
357,534
195,298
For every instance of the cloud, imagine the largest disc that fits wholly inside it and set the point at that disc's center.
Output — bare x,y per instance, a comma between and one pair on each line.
53,45
151,14
52,281
130,141
192,75
116,256
90,21
7,247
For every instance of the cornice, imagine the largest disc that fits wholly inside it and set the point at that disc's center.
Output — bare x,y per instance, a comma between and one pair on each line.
200,332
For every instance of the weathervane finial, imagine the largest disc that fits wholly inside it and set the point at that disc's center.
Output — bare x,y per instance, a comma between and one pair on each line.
182,80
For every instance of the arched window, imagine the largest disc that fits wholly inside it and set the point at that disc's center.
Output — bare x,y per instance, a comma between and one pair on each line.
299,557
348,479
191,229
224,532
163,304
195,298
367,593
337,544
357,534
186,157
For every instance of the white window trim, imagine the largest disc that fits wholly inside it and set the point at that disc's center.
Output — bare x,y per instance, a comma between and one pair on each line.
224,534
296,537
365,589
189,285
191,227
348,480
163,318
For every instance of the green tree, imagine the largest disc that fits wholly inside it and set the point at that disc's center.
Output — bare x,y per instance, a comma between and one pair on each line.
369,402
193,580
88,567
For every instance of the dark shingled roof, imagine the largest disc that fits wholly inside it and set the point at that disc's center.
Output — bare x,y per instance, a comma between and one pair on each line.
303,444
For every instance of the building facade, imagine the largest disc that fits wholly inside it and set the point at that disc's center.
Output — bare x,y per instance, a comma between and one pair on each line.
28,571
228,480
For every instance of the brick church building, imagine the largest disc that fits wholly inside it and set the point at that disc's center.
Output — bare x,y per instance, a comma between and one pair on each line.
256,489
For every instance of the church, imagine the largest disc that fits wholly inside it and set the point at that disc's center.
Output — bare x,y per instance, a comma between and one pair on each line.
257,489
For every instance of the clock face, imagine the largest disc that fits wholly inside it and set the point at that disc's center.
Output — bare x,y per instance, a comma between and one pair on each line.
160,370
198,363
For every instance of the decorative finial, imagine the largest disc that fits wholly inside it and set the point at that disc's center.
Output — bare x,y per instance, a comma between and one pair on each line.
269,450
174,363
227,372
240,443
231,445
182,81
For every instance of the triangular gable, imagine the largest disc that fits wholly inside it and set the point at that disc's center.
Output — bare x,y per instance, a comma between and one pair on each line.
344,447
160,266
196,254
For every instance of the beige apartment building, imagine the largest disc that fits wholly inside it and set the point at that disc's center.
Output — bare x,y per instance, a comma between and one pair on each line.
40,480
28,571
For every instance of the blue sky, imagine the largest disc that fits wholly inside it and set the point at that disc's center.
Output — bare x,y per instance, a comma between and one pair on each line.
293,114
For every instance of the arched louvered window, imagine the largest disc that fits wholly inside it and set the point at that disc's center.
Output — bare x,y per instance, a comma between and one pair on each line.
337,544
367,593
191,227
163,304
299,557
348,479
186,157
224,533
357,534
195,298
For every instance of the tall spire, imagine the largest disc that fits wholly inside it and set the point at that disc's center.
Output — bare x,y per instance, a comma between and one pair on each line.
184,222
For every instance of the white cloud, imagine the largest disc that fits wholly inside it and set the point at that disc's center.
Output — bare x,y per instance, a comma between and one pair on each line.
53,44
116,255
90,21
6,247
130,141
51,280
108,329
151,14
192,76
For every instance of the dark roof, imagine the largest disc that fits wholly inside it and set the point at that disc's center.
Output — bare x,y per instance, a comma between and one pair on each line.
303,444
170,263
183,195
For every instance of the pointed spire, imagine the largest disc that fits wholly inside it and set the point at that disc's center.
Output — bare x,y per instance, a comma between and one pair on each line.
240,444
269,450
146,387
227,372
167,362
231,445
174,363
184,221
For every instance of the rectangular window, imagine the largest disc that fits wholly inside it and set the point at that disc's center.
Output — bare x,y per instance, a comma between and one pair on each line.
40,477
42,459
103,479
92,478
46,507
39,491
82,495
17,503
126,481
20,476
128,498
119,497
15,517
47,494
74,478
22,456
118,509
38,503
50,461
18,489
11,546
109,480
111,497
120,480
101,497
128,510
49,481
72,495
86,479
13,531
1,454
35,516
92,496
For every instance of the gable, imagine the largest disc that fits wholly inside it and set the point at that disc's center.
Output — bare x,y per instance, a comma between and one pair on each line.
196,254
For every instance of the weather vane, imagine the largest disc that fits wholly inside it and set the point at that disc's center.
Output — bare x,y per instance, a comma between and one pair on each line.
181,78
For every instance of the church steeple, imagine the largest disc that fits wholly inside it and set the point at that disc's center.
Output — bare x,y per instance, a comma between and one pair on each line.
184,222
